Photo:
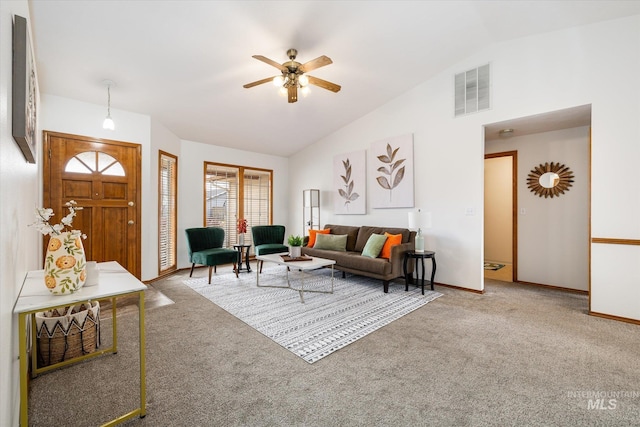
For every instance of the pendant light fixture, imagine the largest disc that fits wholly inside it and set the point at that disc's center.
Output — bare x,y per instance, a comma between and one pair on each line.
108,121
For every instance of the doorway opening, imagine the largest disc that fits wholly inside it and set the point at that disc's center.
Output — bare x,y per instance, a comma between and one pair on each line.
551,234
500,216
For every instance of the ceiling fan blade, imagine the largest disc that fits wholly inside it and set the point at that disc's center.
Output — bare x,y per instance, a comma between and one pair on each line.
320,61
324,84
259,82
270,62
293,93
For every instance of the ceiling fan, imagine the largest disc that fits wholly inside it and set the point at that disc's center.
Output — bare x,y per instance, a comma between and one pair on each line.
294,77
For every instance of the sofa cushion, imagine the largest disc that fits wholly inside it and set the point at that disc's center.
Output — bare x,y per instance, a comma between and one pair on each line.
337,256
313,234
356,262
392,240
366,231
349,230
353,261
332,242
374,245
215,256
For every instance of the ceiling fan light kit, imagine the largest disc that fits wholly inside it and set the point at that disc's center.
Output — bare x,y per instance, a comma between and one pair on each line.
293,76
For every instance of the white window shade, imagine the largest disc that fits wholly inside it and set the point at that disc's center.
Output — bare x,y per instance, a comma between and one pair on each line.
167,216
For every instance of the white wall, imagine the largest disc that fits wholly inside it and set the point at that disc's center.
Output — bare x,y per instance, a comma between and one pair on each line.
553,233
161,139
191,185
530,76
19,245
620,273
448,176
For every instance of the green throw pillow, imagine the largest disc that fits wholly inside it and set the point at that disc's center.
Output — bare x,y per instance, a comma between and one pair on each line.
332,242
374,245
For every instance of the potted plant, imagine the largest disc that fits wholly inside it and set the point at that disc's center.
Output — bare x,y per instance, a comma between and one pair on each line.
295,243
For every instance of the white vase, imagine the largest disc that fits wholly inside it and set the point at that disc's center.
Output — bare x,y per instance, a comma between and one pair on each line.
241,239
65,263
295,251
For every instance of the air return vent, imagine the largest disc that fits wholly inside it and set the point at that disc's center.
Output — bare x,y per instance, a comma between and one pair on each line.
472,90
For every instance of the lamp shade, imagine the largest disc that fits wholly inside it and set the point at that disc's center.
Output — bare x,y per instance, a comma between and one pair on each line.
108,123
311,198
414,220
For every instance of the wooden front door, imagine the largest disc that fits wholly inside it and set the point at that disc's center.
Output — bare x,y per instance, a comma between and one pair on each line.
103,177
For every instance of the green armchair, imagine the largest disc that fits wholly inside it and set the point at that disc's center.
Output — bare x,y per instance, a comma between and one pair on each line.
268,239
205,248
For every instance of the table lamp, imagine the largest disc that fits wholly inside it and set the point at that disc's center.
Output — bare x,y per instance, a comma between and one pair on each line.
415,219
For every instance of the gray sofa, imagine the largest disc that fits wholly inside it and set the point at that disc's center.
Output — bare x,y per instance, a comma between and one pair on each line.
352,261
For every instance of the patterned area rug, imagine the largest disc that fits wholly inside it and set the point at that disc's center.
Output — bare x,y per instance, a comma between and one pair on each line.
322,325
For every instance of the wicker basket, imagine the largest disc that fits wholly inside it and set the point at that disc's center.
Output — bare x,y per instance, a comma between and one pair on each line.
71,332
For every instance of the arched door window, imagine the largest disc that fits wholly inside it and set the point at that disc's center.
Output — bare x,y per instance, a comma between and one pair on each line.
94,161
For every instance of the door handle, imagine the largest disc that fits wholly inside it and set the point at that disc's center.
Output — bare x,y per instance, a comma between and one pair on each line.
131,222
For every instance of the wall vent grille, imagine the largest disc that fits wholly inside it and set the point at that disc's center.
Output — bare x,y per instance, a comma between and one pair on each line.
472,90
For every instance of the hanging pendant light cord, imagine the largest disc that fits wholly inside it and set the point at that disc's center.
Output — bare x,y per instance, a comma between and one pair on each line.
109,101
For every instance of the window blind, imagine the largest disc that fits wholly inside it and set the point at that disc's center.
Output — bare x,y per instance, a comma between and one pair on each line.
234,192
257,197
167,217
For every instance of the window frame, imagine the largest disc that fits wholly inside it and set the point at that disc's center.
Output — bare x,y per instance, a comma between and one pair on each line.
162,155
240,196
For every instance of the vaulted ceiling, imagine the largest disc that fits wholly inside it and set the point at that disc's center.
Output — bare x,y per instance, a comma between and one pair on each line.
184,62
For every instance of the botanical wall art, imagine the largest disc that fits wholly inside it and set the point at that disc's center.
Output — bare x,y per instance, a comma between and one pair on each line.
349,178
391,172
24,90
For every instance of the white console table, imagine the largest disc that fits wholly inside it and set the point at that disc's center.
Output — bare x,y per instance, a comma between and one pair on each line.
114,281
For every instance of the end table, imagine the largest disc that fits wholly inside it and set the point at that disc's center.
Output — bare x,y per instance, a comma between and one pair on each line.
421,256
243,256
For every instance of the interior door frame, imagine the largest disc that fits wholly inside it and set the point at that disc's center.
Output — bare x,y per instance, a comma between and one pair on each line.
46,183
514,205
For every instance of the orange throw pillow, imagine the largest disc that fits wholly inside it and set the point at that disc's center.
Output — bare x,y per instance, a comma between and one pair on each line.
312,236
392,240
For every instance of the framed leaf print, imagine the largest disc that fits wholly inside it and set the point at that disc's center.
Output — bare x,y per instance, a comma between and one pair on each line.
349,182
391,166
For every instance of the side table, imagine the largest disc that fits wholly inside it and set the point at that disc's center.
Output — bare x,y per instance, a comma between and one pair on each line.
421,256
243,256
114,281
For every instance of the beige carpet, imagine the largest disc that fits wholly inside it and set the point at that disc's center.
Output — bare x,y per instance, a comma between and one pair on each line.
514,356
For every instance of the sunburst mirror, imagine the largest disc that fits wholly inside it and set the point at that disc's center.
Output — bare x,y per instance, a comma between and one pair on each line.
550,179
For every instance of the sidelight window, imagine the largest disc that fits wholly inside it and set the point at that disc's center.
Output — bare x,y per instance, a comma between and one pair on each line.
168,211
